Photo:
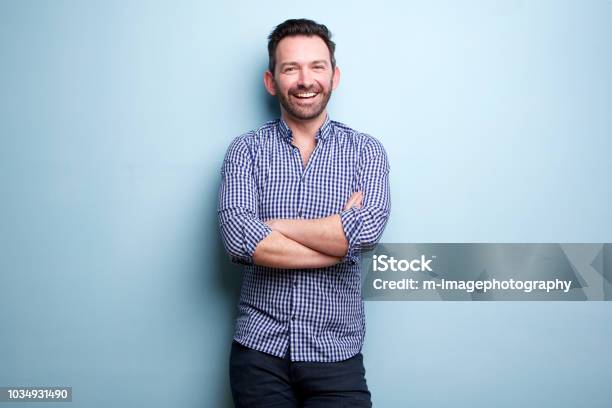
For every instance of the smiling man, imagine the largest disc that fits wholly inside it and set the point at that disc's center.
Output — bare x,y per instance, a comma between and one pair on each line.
300,198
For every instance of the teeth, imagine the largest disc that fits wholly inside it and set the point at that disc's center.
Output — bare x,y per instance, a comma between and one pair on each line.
306,95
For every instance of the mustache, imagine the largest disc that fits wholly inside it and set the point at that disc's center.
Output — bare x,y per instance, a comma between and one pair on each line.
300,89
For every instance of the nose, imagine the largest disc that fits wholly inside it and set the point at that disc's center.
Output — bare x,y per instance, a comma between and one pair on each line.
305,79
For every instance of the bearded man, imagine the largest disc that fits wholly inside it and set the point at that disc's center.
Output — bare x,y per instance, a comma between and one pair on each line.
300,198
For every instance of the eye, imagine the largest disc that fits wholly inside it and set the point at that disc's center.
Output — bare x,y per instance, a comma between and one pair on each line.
289,69
319,67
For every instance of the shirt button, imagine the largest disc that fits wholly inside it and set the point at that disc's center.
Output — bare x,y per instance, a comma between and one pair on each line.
292,318
295,283
299,213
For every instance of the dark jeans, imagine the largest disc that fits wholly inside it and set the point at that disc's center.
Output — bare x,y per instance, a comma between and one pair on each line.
263,380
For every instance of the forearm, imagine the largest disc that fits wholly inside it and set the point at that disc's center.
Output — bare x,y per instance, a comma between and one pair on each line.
279,251
323,235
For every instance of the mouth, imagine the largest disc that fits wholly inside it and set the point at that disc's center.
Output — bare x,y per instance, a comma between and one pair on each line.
305,95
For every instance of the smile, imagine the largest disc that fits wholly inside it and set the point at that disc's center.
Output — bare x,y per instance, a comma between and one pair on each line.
306,95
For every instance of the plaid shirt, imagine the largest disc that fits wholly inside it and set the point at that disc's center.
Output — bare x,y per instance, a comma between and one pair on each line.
317,313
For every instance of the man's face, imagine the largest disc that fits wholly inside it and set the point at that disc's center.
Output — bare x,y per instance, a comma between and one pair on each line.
303,78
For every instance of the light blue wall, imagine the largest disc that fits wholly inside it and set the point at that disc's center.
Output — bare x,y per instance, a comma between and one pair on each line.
115,116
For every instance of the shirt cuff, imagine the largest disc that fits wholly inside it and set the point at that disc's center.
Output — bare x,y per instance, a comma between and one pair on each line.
351,225
254,233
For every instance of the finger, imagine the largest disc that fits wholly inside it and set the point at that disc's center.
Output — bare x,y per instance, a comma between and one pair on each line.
355,200
351,199
359,200
349,204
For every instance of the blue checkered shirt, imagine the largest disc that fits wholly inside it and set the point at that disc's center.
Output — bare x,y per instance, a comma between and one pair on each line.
317,313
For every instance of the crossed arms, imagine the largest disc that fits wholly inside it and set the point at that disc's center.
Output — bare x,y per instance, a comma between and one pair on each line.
301,243
305,243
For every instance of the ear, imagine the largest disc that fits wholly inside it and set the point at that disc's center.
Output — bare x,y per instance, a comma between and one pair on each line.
336,78
269,82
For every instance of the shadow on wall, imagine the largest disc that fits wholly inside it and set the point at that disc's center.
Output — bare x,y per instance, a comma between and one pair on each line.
228,277
226,280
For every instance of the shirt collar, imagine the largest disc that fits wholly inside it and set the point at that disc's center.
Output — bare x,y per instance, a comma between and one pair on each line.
324,131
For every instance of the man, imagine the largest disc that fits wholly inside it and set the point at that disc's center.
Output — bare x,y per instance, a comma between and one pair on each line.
300,198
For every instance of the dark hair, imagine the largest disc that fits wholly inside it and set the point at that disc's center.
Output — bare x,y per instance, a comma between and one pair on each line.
300,26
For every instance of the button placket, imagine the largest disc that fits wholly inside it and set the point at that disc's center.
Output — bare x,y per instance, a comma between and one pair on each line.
300,174
294,295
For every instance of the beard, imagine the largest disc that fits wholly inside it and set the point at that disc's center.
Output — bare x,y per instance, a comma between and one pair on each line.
302,112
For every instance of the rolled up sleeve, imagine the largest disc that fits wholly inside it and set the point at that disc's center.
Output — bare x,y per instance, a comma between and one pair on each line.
364,226
240,226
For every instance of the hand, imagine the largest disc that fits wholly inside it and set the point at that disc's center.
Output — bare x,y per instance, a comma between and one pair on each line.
355,200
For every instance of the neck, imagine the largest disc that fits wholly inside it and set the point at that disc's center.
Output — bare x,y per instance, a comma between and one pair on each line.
304,129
